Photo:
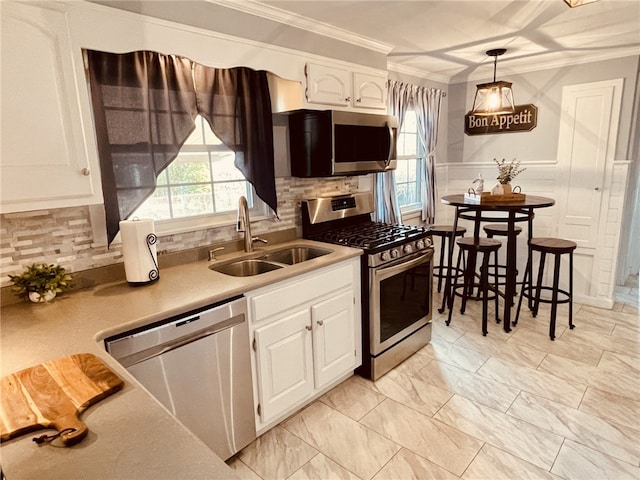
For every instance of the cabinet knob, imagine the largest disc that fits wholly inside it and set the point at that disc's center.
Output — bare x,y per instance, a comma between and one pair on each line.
358,100
308,327
597,189
320,322
85,172
348,99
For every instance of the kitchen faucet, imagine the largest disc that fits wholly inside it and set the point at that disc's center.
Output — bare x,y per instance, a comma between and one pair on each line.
244,225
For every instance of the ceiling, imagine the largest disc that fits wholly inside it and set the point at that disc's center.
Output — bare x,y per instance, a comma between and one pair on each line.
446,40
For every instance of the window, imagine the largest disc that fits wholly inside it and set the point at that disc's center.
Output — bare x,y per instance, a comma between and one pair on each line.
410,154
200,188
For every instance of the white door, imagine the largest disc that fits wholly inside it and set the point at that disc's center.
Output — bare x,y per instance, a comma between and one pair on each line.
333,338
586,149
284,359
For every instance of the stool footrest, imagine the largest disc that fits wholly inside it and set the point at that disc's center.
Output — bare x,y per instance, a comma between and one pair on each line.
567,295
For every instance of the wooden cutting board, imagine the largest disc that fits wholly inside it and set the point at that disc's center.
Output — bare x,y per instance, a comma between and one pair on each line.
53,394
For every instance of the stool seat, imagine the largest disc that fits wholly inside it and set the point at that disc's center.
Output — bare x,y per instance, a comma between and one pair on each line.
446,230
479,244
500,229
552,245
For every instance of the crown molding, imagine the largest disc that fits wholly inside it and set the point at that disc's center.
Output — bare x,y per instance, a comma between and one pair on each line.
287,18
417,72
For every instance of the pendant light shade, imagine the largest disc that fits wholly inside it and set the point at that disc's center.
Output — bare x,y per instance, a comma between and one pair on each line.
493,97
577,3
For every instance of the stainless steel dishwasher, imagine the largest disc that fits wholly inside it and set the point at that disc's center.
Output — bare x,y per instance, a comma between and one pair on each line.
198,366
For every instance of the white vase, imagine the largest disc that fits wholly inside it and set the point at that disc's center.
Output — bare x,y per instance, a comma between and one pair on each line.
47,296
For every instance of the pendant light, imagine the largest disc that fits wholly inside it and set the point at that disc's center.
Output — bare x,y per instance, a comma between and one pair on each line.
493,97
577,3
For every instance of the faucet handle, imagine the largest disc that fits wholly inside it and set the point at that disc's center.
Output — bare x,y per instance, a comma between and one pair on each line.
258,239
212,253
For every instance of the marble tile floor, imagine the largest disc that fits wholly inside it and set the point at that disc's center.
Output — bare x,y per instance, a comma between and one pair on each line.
629,293
506,406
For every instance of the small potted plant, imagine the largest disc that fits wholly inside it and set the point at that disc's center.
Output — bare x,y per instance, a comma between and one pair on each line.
41,282
507,172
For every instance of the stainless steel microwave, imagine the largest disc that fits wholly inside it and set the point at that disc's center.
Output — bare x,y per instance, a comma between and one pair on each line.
324,143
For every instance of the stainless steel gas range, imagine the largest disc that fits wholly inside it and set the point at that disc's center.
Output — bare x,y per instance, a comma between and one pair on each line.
397,272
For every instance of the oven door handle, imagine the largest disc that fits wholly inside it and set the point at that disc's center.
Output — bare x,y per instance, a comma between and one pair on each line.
403,265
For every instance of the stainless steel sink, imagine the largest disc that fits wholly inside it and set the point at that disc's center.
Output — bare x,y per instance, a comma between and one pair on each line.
270,261
293,255
246,268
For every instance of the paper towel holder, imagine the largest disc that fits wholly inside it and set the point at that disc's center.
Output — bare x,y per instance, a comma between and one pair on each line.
154,273
139,251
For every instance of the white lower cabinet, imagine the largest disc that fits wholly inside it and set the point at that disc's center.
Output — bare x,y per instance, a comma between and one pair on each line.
306,335
284,363
333,338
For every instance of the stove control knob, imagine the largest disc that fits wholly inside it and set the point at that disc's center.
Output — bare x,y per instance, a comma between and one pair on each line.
394,253
420,244
407,249
384,256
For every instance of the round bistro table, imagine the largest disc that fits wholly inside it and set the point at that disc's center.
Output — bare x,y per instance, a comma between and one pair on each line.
517,211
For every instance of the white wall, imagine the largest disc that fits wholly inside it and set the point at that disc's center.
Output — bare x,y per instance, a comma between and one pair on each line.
543,89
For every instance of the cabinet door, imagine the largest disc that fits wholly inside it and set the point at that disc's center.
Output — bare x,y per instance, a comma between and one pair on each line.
334,348
328,86
369,91
284,361
43,152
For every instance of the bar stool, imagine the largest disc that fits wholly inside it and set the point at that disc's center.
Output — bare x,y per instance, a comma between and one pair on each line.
445,232
499,229
473,246
556,247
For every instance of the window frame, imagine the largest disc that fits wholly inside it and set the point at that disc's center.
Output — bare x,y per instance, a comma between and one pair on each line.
258,210
420,157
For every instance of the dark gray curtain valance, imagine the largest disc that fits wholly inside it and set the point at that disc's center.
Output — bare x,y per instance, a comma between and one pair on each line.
237,105
145,104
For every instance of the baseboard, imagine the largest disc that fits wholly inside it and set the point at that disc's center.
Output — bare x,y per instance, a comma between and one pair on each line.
594,302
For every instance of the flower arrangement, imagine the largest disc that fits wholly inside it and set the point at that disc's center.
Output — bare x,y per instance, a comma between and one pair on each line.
508,171
41,282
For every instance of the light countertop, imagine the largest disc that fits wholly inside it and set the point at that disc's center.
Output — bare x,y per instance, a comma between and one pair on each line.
131,435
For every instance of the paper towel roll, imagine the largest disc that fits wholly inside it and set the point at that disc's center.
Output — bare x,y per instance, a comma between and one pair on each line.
139,250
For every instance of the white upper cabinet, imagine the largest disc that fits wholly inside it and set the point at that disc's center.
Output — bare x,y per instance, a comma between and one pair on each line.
44,162
338,87
328,86
369,91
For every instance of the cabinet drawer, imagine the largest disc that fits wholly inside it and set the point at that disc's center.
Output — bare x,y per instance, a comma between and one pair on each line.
290,293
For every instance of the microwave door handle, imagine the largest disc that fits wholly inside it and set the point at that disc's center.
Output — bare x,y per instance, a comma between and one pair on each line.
388,159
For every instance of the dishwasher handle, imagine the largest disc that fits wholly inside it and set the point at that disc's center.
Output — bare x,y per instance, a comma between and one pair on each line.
148,353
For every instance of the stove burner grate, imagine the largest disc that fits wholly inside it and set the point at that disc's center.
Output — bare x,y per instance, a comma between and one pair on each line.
369,235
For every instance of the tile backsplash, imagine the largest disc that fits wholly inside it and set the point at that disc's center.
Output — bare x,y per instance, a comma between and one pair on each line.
65,236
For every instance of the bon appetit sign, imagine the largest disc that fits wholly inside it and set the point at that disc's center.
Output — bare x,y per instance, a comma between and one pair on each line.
524,119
